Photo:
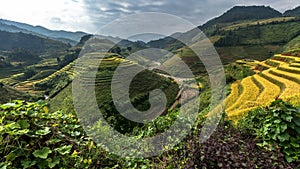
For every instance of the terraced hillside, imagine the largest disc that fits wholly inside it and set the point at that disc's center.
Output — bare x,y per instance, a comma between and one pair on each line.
139,89
278,77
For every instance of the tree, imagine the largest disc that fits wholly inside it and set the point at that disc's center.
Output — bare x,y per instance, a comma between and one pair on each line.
29,72
129,48
58,59
116,49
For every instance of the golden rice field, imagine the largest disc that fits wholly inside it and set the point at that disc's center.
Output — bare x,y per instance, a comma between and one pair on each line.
281,79
248,96
269,93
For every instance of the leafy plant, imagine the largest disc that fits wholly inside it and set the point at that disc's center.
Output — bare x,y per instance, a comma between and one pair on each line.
31,137
282,128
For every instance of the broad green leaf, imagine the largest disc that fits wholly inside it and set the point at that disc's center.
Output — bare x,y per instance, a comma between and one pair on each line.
14,154
18,132
23,123
53,163
42,163
44,131
7,105
295,144
64,149
1,129
12,125
297,121
75,133
54,140
297,129
43,153
4,165
27,163
277,121
11,156
284,137
288,118
288,158
277,130
283,127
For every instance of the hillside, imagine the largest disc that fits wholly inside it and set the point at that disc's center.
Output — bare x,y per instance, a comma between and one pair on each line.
242,13
140,87
293,47
277,77
8,94
293,12
38,45
66,36
64,106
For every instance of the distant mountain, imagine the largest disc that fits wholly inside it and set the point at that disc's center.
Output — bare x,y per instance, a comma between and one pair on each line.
293,12
35,44
240,13
65,36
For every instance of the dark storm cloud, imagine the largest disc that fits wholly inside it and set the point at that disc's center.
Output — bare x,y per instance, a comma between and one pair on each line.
195,11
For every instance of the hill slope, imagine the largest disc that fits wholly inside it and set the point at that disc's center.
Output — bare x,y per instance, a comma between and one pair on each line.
12,26
240,13
277,77
37,45
8,94
293,12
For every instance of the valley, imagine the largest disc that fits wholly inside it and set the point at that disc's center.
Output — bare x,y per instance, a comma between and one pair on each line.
259,125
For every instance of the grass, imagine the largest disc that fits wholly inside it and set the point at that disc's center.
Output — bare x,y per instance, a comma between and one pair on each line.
251,23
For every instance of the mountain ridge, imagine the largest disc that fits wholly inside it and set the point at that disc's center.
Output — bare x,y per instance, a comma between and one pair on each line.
293,12
13,26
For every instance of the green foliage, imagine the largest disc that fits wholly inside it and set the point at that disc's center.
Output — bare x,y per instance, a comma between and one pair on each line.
235,72
261,34
69,57
54,85
293,12
38,45
8,94
31,137
29,72
239,13
278,126
252,122
282,128
23,55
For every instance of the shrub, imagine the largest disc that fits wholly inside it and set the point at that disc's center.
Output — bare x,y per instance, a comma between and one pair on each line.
31,137
29,72
282,128
277,127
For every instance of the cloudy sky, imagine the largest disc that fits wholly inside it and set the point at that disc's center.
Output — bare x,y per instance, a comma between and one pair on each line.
91,15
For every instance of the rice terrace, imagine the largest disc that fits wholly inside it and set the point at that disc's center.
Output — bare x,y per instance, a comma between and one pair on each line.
119,84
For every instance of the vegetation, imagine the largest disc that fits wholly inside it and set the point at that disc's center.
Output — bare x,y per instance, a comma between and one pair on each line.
281,80
255,132
239,13
42,139
293,12
37,44
277,127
